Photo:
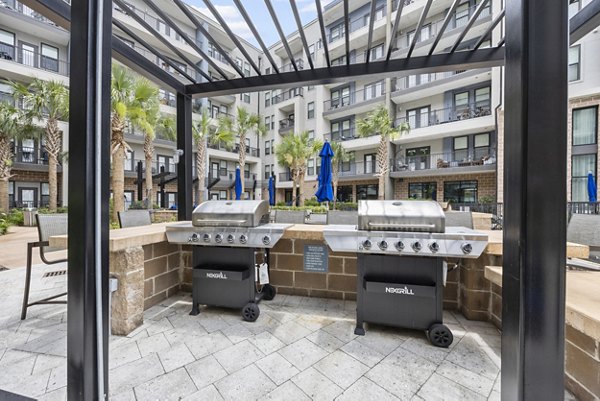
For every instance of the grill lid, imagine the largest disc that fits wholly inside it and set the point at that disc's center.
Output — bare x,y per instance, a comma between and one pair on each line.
404,215
227,213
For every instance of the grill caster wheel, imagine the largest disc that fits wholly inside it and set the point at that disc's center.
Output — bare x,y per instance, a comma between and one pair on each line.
250,312
269,292
440,335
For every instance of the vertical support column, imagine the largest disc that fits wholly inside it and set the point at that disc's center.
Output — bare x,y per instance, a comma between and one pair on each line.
185,165
87,335
535,135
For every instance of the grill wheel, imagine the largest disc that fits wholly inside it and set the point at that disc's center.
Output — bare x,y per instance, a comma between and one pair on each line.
269,292
250,312
440,335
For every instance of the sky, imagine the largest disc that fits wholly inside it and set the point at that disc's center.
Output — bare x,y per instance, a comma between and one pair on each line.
260,16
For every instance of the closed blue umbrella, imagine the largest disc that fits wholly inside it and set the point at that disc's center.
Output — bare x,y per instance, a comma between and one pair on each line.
238,184
272,191
592,193
325,191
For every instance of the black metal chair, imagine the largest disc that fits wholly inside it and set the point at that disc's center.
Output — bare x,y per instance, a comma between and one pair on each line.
47,225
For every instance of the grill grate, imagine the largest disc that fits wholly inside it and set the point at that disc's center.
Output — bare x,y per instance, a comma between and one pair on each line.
55,273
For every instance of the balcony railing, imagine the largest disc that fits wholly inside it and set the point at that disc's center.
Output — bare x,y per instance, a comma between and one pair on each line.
289,67
290,94
23,9
214,53
345,135
250,151
285,177
447,115
452,159
422,79
228,176
404,40
35,155
355,24
286,124
33,59
355,97
354,168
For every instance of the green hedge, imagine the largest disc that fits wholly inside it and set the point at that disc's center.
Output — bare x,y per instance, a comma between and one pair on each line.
4,223
312,209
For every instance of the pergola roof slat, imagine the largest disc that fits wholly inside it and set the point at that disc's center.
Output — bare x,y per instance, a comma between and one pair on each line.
301,32
418,29
323,34
347,32
281,34
472,20
488,31
370,37
440,33
395,28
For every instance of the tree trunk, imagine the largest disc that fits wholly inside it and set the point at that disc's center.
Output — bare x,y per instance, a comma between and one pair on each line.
53,147
118,174
334,183
148,155
383,163
301,190
201,168
242,159
5,163
295,177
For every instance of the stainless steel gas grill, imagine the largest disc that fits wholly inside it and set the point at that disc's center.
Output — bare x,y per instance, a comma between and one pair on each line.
402,246
228,235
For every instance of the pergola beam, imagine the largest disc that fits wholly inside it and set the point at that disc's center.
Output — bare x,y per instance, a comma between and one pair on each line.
286,45
492,57
323,34
585,21
301,32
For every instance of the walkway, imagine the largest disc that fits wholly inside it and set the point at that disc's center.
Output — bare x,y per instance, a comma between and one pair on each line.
13,247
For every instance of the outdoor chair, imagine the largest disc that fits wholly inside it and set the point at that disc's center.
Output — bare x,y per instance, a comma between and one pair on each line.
47,226
134,218
459,219
290,216
342,217
585,229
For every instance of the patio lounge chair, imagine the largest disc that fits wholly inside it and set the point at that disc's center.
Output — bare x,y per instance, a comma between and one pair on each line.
134,218
47,225
584,229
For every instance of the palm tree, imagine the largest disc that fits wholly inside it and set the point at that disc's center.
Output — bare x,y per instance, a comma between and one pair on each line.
130,96
165,127
14,124
203,134
244,122
379,122
339,156
293,152
49,100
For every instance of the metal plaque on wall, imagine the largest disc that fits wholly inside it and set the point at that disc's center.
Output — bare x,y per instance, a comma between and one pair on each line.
316,258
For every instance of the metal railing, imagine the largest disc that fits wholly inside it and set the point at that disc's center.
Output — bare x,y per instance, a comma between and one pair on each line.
354,168
250,151
355,97
355,24
404,40
214,53
289,67
24,10
583,208
496,209
228,176
33,59
344,135
412,81
30,155
441,116
289,94
452,159
286,124
284,177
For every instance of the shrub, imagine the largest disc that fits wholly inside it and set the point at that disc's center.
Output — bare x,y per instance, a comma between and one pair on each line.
312,202
16,217
346,206
315,209
4,223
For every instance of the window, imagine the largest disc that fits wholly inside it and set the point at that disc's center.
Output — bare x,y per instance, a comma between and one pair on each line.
460,191
267,172
425,34
49,59
418,158
246,171
311,167
267,70
418,117
268,123
374,90
310,110
574,63
461,17
370,163
339,61
246,98
377,52
422,190
342,130
129,161
162,27
574,7
336,32
311,135
273,121
7,44
350,163
581,165
366,192
224,110
246,69
461,104
167,163
340,97
311,51
344,193
267,99
461,148
481,143
585,125
482,97
272,148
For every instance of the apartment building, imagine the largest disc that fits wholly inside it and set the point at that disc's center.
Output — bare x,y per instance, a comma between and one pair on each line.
453,151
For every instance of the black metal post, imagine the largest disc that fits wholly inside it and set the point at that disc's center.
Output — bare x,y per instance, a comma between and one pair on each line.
185,165
87,335
140,178
535,135
161,186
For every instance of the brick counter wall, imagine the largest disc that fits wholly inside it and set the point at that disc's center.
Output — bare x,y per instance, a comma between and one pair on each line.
162,272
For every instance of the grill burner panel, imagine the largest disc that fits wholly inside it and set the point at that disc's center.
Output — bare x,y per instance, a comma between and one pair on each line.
264,236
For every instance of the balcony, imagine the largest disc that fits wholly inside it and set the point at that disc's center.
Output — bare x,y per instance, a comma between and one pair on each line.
289,67
354,169
290,94
26,11
452,162
226,178
354,24
286,126
250,151
447,115
359,101
33,59
285,177
28,155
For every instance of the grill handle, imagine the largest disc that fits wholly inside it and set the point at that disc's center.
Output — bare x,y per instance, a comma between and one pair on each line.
220,221
396,225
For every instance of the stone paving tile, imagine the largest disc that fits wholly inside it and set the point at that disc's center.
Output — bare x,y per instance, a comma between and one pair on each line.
237,333
440,388
288,391
469,355
205,345
58,378
316,385
266,342
151,344
159,326
238,356
303,353
277,368
362,353
313,323
342,329
283,315
56,395
325,340
381,340
171,386
290,332
175,357
211,321
123,354
135,373
423,348
249,383
365,389
466,378
208,393
495,396
205,371
45,362
341,368
127,395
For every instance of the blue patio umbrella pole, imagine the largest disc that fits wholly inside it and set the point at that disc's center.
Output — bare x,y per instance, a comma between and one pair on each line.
272,190
238,184
325,190
591,187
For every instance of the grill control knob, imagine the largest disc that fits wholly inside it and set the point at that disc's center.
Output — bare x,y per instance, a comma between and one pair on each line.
219,238
206,237
400,245
266,240
383,245
466,248
243,239
194,238
231,238
416,246
434,247
367,244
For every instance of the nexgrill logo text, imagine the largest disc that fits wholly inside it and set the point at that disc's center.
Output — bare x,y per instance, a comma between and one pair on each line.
405,290
219,275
